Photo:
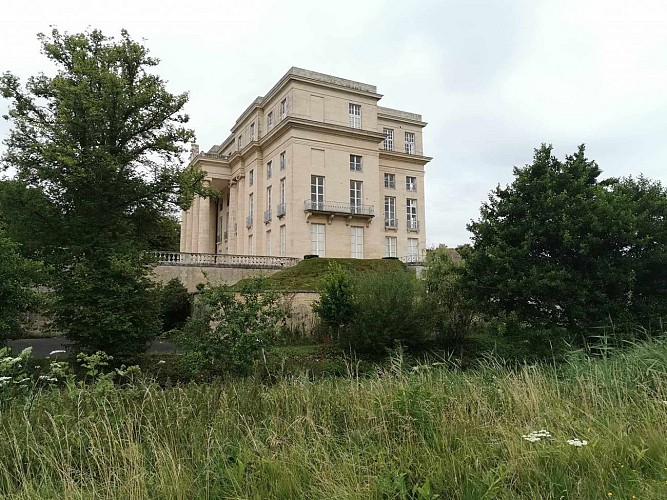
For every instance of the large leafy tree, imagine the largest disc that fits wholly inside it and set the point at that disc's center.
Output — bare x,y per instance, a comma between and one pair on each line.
97,149
553,247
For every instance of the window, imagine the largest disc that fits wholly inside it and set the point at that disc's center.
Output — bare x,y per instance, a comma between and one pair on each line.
269,121
390,212
317,192
355,196
251,210
390,246
251,247
283,241
240,142
413,249
355,115
390,181
282,161
355,163
410,143
411,183
251,177
388,139
269,170
268,243
411,210
357,242
281,202
317,242
267,212
283,108
252,131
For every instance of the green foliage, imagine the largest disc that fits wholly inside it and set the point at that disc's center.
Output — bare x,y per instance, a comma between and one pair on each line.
229,330
561,250
335,306
17,295
175,305
450,315
165,235
97,149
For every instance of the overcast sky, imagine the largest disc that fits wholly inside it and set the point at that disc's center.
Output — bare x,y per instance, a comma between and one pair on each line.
493,78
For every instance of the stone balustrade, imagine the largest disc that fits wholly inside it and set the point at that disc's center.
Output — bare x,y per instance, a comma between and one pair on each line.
223,260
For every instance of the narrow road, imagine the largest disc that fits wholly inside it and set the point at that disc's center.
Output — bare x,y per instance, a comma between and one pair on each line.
41,348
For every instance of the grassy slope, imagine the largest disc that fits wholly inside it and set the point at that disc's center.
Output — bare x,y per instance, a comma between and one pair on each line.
308,274
397,435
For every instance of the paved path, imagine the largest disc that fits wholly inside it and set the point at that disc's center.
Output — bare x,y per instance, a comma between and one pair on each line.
42,347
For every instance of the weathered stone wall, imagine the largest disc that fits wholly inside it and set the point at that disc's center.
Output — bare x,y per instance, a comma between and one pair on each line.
191,276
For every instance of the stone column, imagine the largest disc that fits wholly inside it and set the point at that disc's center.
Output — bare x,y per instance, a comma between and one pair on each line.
194,218
187,230
203,246
233,208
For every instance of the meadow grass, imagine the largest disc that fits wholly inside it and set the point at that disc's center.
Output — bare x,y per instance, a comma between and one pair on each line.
433,432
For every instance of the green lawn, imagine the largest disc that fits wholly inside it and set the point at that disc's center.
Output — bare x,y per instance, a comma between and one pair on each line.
308,274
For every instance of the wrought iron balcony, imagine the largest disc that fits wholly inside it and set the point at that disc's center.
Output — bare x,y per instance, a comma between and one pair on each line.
391,223
339,208
267,215
282,209
248,221
413,225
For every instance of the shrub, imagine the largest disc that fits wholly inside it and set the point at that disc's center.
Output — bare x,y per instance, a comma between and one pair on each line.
175,305
335,307
229,330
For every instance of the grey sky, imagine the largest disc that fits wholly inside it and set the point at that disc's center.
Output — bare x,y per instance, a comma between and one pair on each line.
492,78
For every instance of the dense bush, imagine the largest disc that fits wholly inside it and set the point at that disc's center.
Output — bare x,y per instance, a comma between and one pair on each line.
175,305
230,329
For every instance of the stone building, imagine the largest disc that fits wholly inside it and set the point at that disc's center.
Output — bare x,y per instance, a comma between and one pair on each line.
313,167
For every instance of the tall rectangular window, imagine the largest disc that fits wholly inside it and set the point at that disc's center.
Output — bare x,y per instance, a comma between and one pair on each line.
410,143
317,242
252,131
355,115
388,139
357,242
411,183
269,169
411,212
251,245
251,177
390,246
413,249
283,108
269,121
283,241
390,212
390,181
355,196
240,142
282,161
317,192
355,163
267,213
251,210
282,198
269,249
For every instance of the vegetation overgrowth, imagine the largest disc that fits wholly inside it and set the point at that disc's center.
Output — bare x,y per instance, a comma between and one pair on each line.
583,429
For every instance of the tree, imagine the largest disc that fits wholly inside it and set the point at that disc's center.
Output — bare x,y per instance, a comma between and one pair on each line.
97,149
335,307
552,248
17,276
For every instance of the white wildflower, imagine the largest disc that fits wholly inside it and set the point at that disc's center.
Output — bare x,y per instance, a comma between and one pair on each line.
57,351
161,362
535,436
47,378
577,442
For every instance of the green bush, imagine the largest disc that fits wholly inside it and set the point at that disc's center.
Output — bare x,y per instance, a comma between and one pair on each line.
335,308
175,305
230,330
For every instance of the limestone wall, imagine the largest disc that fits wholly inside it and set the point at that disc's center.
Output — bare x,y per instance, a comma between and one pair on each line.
191,276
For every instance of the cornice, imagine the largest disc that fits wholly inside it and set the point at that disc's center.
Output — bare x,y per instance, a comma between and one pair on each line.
397,155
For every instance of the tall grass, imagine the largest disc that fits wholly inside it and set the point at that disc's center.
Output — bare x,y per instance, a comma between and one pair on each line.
429,433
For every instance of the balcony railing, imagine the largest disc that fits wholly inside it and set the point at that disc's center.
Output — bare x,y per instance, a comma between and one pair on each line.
412,187
223,260
248,221
339,207
267,215
391,223
282,209
413,225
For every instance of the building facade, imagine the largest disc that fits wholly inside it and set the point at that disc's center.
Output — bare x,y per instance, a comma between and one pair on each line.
313,167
